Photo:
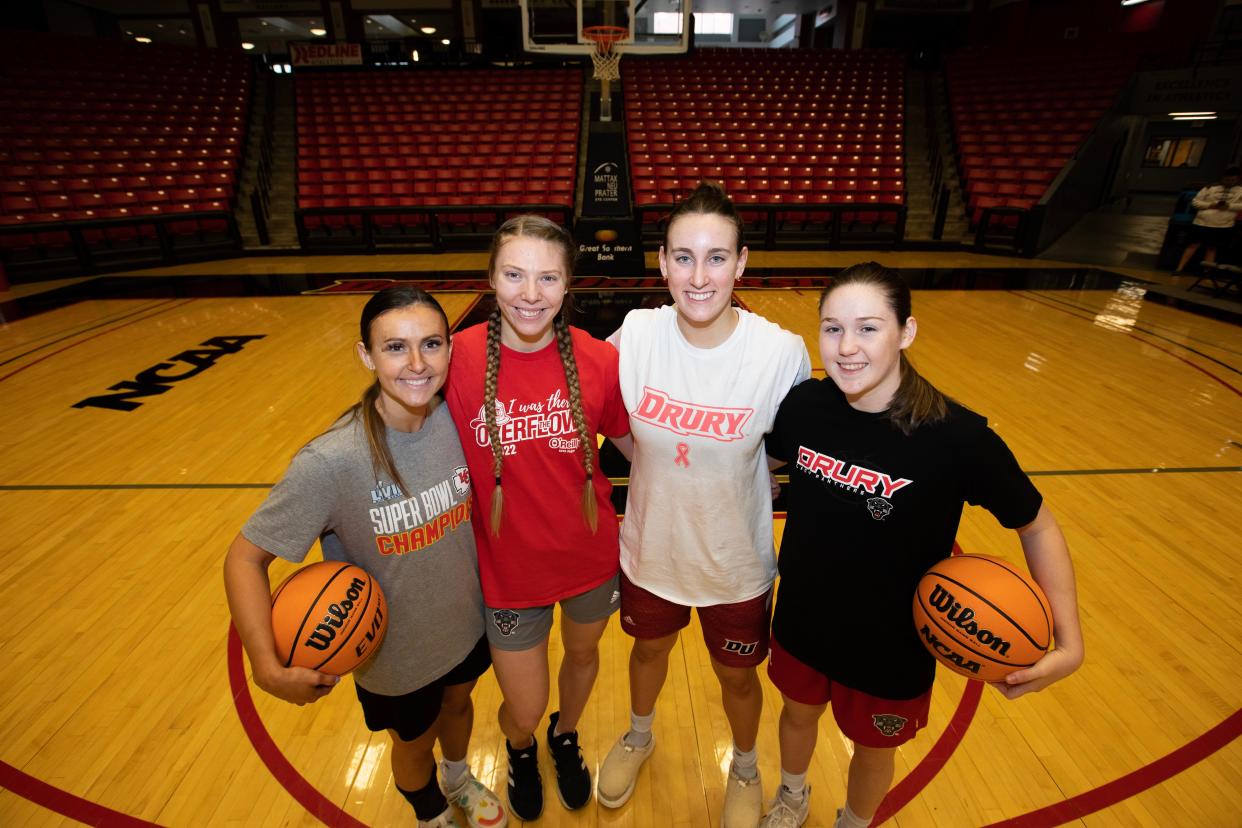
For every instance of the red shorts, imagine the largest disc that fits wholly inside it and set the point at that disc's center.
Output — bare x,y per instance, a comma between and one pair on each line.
869,720
736,635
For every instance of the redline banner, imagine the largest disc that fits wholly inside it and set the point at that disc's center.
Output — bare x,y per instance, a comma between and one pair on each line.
326,54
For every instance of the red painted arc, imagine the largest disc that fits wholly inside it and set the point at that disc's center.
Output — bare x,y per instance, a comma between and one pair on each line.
319,806
1167,766
65,803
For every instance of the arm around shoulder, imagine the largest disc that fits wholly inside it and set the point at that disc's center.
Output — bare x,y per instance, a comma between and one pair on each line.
1048,558
249,594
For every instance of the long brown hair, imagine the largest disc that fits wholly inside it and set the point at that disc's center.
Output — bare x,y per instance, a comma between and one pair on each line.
916,400
707,198
537,227
390,298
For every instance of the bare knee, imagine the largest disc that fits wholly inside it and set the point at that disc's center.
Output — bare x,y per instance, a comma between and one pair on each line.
869,759
737,681
653,650
456,700
802,715
581,657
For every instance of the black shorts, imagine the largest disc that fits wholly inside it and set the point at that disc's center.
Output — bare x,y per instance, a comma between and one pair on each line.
413,714
1216,238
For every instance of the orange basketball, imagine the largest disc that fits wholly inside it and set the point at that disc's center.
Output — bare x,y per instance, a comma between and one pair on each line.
330,616
982,617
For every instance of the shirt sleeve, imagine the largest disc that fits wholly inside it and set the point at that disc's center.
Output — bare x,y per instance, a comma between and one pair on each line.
804,366
1204,198
614,339
995,481
614,420
774,440
297,511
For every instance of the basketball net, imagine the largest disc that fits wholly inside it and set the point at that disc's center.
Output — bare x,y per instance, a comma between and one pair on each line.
607,62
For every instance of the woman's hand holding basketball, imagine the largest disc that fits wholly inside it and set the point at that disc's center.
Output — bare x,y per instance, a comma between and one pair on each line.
1055,665
299,685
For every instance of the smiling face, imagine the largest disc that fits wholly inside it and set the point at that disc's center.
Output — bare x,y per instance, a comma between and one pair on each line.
530,278
701,262
860,342
409,353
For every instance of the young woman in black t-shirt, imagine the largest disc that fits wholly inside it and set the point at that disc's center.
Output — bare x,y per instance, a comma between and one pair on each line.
881,466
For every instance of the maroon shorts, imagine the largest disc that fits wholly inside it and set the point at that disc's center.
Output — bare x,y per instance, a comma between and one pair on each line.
736,635
869,720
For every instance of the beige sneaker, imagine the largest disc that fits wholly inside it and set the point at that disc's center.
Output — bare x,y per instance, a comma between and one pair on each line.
743,805
619,772
786,813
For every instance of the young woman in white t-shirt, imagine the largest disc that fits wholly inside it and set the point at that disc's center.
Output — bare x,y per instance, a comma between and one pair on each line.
702,381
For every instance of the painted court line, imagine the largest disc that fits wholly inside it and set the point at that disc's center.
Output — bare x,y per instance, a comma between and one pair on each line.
89,338
65,803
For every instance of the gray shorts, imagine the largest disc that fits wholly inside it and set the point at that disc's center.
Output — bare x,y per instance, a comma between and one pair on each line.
515,630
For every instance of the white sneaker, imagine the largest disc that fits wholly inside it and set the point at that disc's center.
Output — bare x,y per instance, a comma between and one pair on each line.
619,772
482,808
785,812
743,805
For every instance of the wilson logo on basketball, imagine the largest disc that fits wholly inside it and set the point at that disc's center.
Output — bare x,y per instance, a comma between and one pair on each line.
334,618
692,420
942,601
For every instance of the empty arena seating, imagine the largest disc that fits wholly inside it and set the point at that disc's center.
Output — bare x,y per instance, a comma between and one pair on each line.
434,143
793,129
1019,116
115,135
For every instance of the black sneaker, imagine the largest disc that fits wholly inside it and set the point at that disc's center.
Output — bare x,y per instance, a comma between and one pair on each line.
525,784
573,780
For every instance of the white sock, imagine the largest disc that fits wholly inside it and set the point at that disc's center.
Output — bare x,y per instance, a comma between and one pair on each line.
453,773
639,734
744,762
848,819
794,784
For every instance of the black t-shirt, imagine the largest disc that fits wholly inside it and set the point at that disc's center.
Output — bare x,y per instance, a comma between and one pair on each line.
870,510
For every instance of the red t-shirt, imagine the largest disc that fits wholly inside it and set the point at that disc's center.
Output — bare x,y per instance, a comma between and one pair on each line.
545,551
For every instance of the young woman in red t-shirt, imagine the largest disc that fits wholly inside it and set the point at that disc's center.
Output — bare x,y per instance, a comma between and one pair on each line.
529,395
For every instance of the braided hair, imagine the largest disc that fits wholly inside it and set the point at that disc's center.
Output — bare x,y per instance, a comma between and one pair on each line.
536,227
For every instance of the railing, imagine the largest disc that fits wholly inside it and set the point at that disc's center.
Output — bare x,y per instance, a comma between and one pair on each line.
85,255
935,163
260,196
799,225
1004,234
429,228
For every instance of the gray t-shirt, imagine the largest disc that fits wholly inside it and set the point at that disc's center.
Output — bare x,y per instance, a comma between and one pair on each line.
420,548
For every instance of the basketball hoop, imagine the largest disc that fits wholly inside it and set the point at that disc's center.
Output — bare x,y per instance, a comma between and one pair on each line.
607,61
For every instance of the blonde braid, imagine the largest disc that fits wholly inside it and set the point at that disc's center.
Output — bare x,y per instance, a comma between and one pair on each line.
490,379
565,345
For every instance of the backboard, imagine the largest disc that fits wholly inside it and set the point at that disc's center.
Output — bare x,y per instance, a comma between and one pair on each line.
655,26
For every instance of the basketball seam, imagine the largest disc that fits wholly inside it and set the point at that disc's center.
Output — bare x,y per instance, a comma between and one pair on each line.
298,637
1043,605
1000,611
347,635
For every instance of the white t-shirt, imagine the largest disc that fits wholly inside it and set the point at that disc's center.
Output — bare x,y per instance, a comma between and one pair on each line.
698,522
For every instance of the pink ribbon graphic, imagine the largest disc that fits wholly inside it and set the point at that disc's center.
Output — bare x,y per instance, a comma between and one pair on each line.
683,455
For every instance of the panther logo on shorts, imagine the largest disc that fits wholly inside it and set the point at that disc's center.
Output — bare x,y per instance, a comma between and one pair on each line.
879,507
888,723
506,621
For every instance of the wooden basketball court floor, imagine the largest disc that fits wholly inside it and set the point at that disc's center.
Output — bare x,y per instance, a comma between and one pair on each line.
126,702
